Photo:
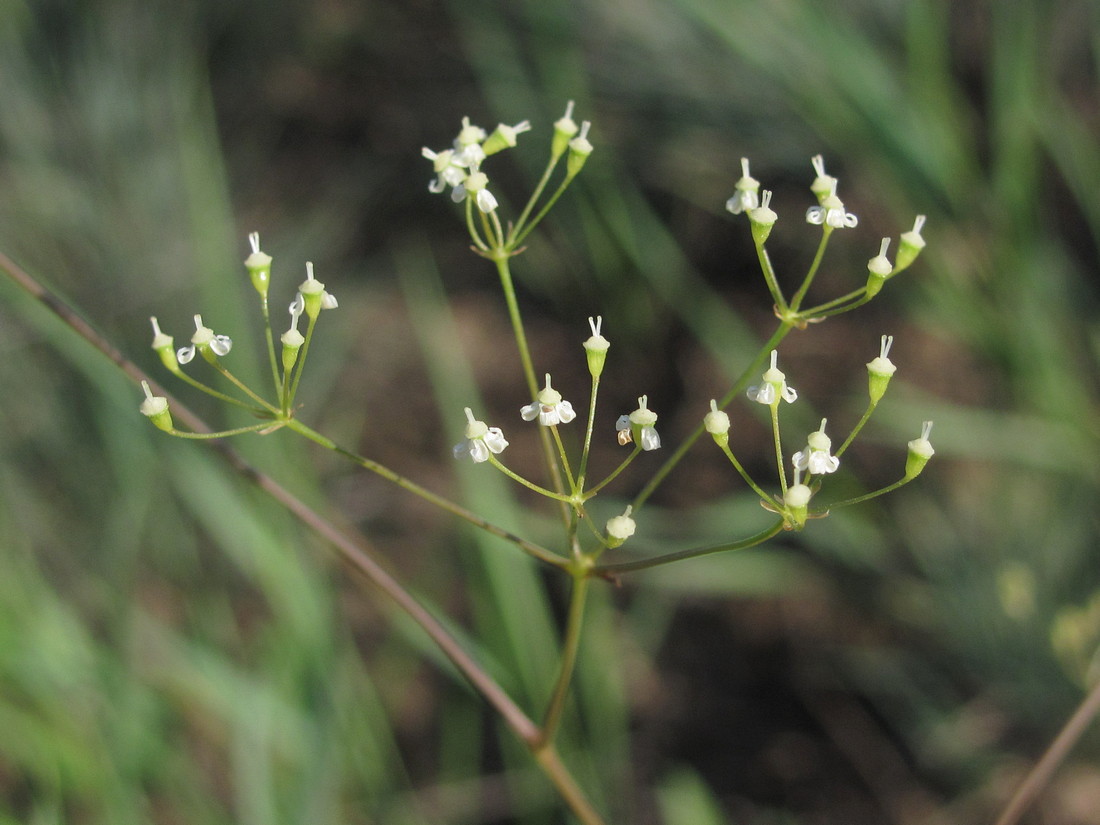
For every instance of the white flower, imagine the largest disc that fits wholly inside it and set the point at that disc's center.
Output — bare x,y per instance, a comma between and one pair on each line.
747,189
481,440
773,388
823,185
639,424
831,212
815,458
475,185
450,168
204,338
311,286
549,408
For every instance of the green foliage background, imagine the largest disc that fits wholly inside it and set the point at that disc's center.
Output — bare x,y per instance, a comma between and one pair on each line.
175,649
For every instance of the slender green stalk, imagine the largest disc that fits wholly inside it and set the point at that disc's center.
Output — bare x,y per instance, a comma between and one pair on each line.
755,366
590,425
520,237
780,468
225,433
611,570
856,429
868,496
796,301
741,470
570,646
270,342
221,396
239,384
614,473
771,279
530,485
513,236
300,364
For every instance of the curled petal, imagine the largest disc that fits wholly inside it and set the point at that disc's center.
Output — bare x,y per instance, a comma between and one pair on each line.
764,394
531,411
221,344
649,439
815,215
790,395
485,201
479,450
328,301
185,354
566,412
495,441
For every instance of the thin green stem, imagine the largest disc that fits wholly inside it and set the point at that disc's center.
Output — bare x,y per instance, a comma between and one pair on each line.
532,549
300,364
521,236
741,470
225,433
221,396
548,759
611,570
513,235
836,302
530,485
868,496
614,473
570,646
213,360
796,301
471,227
755,366
582,471
782,470
270,342
564,458
771,279
856,429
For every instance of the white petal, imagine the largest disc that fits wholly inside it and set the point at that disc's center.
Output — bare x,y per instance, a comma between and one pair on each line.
800,459
328,301
437,185
485,201
649,439
623,423
531,411
458,194
789,394
495,441
815,215
565,412
185,354
461,450
479,450
221,344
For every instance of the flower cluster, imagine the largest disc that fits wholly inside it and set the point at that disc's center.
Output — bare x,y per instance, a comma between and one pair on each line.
460,166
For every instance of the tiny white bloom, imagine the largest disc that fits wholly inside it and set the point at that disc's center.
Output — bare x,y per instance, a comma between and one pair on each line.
549,408
831,213
204,338
481,440
774,386
639,423
815,458
823,185
746,197
449,166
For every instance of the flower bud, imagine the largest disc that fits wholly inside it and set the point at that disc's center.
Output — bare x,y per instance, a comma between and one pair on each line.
163,346
620,528
920,450
717,423
155,408
258,265
504,137
762,219
579,150
796,505
564,130
823,185
910,245
880,370
596,347
878,270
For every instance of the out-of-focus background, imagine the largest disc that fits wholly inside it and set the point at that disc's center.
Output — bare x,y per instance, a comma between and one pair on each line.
174,649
